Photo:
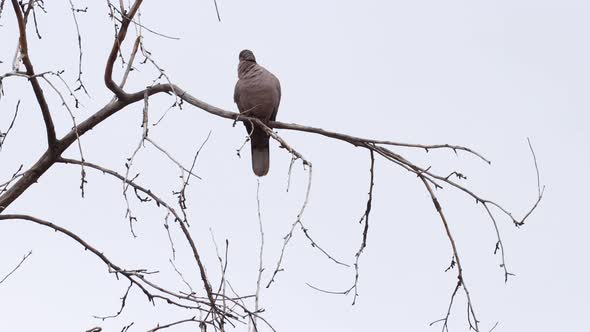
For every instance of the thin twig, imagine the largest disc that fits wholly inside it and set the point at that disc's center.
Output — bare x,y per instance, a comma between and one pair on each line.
3,135
171,158
79,79
364,218
15,176
260,255
289,235
123,302
460,278
16,267
75,128
217,11
181,277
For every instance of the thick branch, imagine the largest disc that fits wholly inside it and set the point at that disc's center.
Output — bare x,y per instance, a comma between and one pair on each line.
51,137
108,73
49,157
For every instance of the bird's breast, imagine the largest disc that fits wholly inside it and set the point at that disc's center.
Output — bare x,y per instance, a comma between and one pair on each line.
258,98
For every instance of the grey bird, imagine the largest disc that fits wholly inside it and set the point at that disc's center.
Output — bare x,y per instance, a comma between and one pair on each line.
257,94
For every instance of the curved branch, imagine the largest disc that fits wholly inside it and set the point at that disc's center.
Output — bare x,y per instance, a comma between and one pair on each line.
159,201
24,49
136,277
108,72
460,278
188,320
70,234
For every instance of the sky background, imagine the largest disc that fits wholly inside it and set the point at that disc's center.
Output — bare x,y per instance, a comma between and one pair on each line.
477,73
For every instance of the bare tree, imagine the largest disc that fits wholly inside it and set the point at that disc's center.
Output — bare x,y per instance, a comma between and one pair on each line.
219,306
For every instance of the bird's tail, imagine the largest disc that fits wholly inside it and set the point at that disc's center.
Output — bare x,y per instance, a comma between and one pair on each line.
260,159
260,156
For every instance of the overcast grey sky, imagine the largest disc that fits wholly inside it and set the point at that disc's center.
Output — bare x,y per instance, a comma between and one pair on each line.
486,74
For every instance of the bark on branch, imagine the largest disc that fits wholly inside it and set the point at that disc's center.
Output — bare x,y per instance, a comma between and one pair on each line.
24,50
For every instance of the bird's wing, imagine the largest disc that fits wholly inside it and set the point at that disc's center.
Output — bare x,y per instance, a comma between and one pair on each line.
277,86
237,93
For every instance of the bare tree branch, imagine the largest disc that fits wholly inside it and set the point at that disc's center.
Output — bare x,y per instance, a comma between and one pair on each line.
165,326
3,135
16,267
80,53
260,254
136,277
460,279
364,218
179,220
216,314
24,50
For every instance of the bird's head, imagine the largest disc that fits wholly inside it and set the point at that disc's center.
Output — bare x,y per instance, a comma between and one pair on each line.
247,55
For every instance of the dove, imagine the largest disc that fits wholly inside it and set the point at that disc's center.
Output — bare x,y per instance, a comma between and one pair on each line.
258,95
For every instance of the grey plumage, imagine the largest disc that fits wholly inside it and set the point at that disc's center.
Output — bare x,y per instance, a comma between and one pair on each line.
257,94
